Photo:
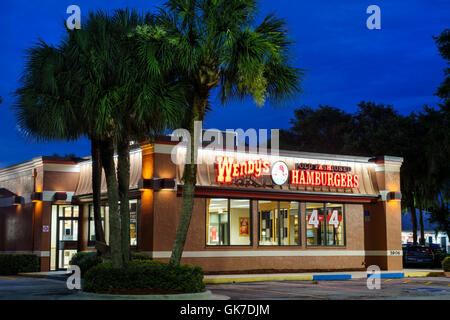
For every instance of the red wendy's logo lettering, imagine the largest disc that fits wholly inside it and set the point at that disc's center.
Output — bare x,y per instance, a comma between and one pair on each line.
228,169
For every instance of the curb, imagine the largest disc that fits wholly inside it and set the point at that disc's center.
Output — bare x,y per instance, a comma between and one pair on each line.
256,279
43,276
206,295
318,277
424,274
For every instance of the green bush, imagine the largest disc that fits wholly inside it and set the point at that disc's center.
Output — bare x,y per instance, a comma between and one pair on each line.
85,260
446,264
139,256
438,258
14,263
144,275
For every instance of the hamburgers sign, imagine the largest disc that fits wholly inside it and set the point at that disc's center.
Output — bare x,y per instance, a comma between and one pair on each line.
304,173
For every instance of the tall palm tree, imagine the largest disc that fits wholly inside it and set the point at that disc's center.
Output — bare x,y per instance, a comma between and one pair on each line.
216,45
49,107
129,102
94,85
145,102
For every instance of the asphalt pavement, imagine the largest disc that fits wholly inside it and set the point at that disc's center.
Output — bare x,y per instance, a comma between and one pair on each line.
426,288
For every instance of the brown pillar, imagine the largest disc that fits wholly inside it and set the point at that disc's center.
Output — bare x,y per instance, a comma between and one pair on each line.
145,222
382,226
41,240
83,211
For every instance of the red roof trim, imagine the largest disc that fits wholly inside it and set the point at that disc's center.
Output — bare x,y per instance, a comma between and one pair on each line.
261,194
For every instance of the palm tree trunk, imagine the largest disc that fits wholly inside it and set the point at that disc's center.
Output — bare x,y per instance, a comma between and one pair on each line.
187,206
100,243
422,231
414,224
107,156
189,181
123,175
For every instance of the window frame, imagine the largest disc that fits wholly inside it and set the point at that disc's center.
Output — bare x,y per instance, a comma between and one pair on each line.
229,223
299,217
91,243
344,227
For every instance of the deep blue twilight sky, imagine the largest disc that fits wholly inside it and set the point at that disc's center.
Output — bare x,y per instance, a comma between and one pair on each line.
346,62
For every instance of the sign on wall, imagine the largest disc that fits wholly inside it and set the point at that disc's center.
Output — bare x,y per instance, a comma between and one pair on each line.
228,171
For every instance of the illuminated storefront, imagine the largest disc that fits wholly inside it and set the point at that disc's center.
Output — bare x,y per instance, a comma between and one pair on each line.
252,212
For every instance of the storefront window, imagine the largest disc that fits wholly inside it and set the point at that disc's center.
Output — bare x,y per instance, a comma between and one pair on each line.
133,222
104,212
279,223
268,212
315,224
228,222
325,224
240,222
289,223
335,224
91,229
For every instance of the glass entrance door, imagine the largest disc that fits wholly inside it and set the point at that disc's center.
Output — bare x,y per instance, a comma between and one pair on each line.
67,234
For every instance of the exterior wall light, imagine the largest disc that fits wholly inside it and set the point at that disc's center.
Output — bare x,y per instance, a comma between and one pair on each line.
387,195
156,184
18,200
168,184
60,196
36,196
394,196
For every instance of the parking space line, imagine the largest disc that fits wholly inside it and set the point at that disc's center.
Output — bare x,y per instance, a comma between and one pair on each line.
322,286
428,282
278,292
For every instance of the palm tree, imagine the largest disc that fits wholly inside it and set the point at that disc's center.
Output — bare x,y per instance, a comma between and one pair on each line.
130,102
48,108
215,45
94,85
145,103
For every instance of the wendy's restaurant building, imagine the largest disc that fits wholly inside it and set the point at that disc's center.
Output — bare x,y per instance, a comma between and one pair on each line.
289,212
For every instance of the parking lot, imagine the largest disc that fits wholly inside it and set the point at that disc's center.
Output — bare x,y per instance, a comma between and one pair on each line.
429,288
432,288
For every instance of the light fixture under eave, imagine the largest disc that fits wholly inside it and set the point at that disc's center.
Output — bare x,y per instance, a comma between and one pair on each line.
36,196
60,196
394,196
18,200
156,184
168,184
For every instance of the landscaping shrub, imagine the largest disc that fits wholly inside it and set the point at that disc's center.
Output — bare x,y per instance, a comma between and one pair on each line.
438,258
144,275
139,256
14,263
446,264
85,260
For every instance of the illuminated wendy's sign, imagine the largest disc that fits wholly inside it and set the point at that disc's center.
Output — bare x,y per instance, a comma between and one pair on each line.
304,173
228,169
324,178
